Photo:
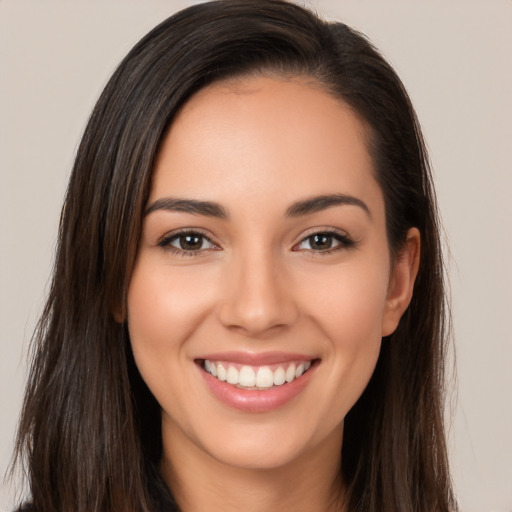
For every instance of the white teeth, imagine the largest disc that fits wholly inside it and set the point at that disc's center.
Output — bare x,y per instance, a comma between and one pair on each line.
279,376
264,377
232,375
261,378
247,377
290,373
221,372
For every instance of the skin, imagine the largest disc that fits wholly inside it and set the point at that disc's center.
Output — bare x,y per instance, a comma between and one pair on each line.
257,146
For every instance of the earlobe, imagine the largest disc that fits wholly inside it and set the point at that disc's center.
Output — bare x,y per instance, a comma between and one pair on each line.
401,284
119,313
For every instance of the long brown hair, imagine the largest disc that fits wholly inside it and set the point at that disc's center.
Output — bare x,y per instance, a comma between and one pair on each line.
90,429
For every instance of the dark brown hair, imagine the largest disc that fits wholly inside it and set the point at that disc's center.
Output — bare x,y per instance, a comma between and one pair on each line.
90,429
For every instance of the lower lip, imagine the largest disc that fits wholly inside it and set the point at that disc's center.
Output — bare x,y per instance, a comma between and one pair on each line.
255,400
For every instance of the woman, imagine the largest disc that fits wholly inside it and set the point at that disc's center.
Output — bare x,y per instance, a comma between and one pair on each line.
247,304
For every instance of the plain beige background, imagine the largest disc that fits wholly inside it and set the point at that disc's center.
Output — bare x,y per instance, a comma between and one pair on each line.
455,60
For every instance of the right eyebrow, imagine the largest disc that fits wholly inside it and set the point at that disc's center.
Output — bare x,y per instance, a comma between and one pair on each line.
193,206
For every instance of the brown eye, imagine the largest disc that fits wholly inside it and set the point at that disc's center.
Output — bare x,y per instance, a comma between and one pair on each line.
324,242
187,242
190,242
321,242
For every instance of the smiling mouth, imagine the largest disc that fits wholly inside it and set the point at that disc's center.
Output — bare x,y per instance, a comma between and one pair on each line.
256,377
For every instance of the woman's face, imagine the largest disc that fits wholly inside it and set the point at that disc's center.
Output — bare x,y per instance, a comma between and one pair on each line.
263,283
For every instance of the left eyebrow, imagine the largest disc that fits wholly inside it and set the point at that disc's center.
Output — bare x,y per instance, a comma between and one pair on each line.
319,203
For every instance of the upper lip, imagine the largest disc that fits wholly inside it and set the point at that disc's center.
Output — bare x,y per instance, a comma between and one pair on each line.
256,359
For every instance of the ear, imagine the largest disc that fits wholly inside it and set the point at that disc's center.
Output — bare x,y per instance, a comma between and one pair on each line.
401,283
119,313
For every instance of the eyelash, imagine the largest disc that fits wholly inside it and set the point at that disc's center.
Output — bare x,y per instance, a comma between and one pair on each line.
166,242
345,242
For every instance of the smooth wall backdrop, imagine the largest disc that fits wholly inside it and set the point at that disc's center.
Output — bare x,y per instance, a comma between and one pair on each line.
454,58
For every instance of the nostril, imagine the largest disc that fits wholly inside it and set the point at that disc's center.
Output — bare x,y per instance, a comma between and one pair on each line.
252,316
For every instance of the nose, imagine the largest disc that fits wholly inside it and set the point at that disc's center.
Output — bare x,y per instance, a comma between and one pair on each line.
257,296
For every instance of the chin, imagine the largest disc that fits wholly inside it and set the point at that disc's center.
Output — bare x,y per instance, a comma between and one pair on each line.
274,443
259,454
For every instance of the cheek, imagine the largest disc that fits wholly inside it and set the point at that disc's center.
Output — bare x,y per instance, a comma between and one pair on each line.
348,307
164,305
159,317
349,300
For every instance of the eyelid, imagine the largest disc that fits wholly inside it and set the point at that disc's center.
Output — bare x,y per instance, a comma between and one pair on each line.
165,241
344,239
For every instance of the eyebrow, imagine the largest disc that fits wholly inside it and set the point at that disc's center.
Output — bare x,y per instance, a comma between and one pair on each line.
297,209
193,206
319,203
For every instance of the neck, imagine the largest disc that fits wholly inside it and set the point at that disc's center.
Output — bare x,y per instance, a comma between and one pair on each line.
199,482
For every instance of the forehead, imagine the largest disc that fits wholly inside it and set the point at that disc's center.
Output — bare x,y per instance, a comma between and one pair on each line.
263,134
